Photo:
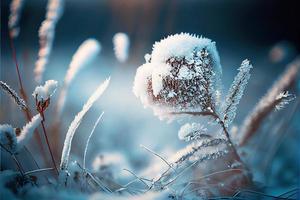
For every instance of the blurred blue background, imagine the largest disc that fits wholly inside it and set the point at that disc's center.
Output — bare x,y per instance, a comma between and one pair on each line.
266,32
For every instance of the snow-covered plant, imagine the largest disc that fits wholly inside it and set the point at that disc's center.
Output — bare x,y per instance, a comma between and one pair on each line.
43,92
181,74
15,139
277,96
28,130
86,53
42,95
76,122
13,94
236,92
16,7
121,46
46,36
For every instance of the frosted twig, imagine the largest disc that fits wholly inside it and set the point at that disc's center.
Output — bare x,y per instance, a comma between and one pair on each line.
268,102
88,140
136,176
159,156
18,100
38,170
76,122
235,92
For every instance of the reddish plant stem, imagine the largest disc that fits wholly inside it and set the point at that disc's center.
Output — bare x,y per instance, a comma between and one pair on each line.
27,112
48,144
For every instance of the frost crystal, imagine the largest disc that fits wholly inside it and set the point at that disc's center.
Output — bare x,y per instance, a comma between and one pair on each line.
283,98
8,137
14,17
121,46
182,74
192,131
44,92
46,36
236,92
13,94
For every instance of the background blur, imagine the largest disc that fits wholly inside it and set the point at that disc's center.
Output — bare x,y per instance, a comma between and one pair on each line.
266,32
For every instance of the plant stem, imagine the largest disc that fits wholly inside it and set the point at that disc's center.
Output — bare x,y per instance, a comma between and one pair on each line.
14,158
18,163
220,122
23,93
48,144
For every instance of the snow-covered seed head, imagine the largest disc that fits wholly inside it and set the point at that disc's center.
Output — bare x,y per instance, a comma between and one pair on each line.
121,46
181,74
8,137
44,92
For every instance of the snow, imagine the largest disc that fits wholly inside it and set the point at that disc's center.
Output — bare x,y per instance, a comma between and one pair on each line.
44,92
28,130
8,137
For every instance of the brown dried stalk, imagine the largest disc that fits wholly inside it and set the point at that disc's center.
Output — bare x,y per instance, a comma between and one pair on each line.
268,103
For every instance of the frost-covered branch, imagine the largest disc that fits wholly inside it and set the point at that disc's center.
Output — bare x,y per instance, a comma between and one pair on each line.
269,102
236,92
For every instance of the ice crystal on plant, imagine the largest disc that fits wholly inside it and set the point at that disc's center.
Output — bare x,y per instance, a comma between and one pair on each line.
13,94
192,131
121,46
284,98
182,74
236,92
44,92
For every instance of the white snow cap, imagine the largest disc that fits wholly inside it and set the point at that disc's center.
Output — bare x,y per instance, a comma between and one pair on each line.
121,46
182,45
44,92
